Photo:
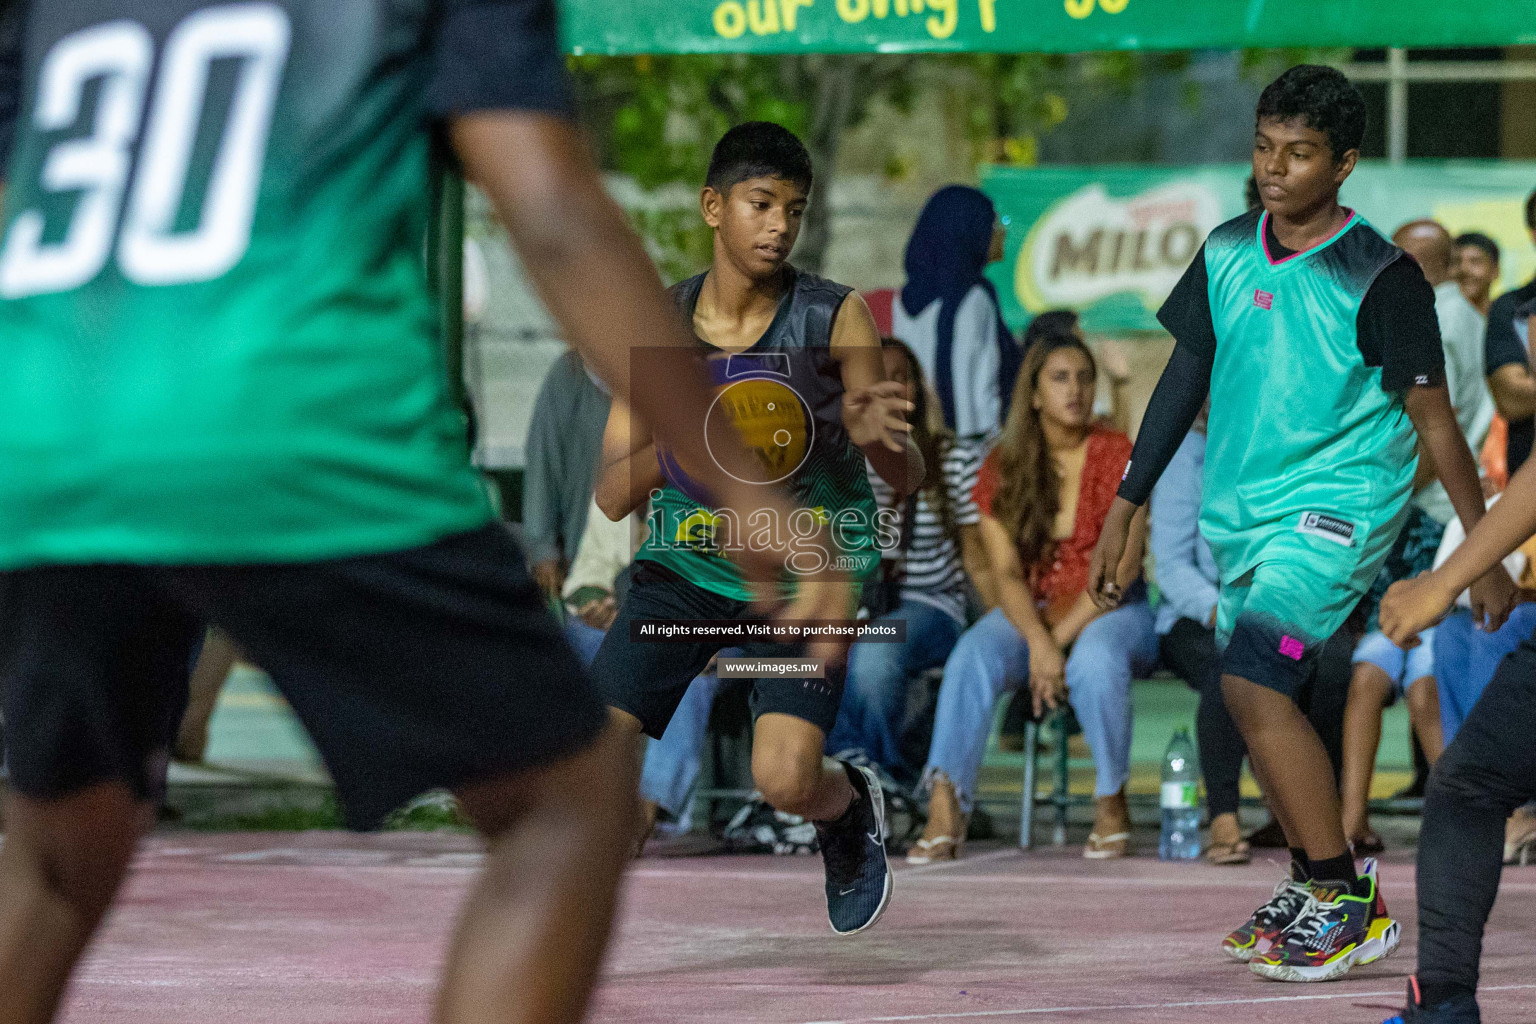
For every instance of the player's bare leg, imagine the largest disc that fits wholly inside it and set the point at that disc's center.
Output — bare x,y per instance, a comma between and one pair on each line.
62,863
1292,765
529,944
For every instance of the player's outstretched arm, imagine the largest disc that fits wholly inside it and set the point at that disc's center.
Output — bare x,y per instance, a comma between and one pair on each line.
1414,605
1493,592
874,409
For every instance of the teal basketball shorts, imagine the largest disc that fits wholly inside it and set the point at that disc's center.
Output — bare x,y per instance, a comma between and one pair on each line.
1274,619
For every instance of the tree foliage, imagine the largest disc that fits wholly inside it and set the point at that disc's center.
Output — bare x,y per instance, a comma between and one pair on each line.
657,118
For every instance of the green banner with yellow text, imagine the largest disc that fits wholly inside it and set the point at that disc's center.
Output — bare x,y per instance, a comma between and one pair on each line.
1111,242
1034,26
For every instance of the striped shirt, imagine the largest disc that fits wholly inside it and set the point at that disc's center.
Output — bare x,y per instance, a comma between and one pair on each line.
934,573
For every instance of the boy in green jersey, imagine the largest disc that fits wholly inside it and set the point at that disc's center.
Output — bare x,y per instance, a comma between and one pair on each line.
222,399
1317,342
797,362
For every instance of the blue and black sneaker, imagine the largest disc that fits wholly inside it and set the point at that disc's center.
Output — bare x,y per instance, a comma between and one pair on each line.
853,852
1459,1009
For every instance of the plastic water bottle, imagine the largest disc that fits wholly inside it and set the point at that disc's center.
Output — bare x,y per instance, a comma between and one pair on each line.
1180,838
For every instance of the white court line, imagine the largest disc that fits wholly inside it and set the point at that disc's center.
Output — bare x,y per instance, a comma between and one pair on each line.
1080,881
923,869
1143,1006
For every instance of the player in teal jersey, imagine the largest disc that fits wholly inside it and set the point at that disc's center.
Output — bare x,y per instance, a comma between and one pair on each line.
1317,342
222,399
790,341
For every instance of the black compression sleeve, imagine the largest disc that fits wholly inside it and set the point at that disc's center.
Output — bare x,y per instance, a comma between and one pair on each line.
1181,391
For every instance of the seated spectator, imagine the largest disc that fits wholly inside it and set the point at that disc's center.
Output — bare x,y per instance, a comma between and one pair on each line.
922,583
1186,625
1382,670
1465,659
1383,673
1043,494
565,436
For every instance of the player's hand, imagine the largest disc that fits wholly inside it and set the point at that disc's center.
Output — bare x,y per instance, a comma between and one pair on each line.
599,613
1493,595
1411,606
1103,587
550,577
1047,677
877,414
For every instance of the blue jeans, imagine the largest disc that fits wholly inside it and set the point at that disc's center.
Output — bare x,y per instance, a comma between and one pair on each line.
1466,659
875,695
672,763
992,657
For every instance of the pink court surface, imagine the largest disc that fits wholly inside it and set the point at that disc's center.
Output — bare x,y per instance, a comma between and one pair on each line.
321,927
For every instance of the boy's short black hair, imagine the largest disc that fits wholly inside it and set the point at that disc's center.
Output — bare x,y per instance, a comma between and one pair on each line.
1324,99
758,149
1530,211
1481,241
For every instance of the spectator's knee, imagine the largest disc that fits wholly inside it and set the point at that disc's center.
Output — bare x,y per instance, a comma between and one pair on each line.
1370,683
1422,696
1095,676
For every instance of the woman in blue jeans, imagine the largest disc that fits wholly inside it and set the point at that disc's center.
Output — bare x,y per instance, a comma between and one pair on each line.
1043,494
923,577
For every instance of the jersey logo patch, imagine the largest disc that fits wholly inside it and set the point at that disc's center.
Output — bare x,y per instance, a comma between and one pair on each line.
1319,524
1263,299
1292,648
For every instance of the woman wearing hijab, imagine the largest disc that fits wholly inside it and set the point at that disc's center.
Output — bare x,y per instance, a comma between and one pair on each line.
949,315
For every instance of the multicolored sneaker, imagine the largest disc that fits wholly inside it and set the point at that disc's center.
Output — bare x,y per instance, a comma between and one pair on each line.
1335,931
1266,924
1460,1009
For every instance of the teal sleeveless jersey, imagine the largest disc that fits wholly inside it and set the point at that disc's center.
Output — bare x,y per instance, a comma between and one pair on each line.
1307,458
218,344
812,456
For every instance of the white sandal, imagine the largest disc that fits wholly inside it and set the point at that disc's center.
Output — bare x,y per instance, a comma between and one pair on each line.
1111,847
930,851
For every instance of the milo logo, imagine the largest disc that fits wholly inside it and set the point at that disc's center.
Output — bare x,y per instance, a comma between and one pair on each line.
1091,245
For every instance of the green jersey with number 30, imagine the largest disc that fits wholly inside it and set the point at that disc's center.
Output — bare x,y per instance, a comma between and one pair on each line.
217,342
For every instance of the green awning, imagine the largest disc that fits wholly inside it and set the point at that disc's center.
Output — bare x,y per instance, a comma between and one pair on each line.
1034,26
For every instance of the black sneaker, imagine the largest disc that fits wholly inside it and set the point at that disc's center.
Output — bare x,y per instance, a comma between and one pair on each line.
853,852
1459,1009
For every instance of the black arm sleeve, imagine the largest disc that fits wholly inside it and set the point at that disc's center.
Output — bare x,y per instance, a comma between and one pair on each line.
500,55
1184,385
1398,330
1181,391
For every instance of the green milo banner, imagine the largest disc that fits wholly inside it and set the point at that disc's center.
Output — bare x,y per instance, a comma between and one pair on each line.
1034,26
1111,242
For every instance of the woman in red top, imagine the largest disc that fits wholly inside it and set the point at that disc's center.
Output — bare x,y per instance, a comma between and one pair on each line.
1043,495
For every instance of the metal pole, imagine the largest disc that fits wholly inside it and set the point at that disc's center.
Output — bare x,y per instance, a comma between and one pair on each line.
1397,105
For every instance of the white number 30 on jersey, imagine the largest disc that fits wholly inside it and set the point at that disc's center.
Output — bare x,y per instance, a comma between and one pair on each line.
163,132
